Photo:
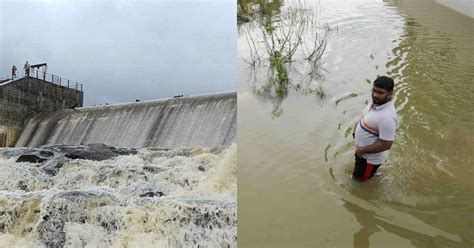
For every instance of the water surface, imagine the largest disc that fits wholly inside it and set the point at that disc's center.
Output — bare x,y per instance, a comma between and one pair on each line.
295,186
181,197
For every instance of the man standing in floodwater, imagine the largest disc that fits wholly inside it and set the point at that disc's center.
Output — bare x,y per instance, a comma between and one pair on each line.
375,131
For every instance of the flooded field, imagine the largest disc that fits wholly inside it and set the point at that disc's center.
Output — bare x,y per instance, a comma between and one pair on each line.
295,146
99,196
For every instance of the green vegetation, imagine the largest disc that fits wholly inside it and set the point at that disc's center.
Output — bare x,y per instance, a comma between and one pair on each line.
278,36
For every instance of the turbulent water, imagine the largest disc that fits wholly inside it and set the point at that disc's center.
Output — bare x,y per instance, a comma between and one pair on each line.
181,197
296,155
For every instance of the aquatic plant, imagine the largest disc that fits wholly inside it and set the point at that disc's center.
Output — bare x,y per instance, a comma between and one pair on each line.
278,36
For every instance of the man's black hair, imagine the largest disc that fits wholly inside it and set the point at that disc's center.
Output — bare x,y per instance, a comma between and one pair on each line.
384,82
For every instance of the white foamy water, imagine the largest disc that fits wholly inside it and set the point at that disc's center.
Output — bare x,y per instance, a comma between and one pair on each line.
156,198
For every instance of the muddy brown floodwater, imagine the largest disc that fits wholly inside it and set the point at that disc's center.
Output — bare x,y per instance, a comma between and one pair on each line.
294,164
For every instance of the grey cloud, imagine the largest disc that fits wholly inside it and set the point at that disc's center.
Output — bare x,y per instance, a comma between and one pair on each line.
124,51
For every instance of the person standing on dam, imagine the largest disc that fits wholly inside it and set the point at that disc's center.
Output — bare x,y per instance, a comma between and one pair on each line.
27,68
375,131
13,72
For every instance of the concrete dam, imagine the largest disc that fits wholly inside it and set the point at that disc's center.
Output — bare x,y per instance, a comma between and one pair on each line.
205,120
22,98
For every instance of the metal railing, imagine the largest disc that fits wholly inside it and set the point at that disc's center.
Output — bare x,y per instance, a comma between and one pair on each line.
55,79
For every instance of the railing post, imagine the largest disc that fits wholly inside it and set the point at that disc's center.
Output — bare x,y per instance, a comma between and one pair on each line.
59,81
36,73
68,83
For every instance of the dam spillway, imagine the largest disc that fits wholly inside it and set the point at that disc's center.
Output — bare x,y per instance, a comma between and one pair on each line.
205,120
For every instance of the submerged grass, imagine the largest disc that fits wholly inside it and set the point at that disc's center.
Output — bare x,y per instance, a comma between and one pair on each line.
278,36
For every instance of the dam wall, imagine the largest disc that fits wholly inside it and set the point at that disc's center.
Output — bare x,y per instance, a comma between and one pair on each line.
207,121
465,7
23,98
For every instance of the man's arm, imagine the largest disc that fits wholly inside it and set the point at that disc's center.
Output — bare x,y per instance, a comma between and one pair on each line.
379,146
385,140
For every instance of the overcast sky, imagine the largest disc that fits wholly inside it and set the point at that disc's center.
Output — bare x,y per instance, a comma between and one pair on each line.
124,50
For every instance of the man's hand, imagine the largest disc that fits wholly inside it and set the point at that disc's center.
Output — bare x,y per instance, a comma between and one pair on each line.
379,146
359,151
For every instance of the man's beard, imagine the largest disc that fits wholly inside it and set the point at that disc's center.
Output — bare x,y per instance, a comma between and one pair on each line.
381,102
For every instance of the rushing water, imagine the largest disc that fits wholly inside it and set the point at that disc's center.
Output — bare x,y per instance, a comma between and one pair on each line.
205,120
156,198
295,186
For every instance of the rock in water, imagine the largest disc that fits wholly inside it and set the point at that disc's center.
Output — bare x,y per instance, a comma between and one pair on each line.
52,167
35,156
46,154
97,152
152,194
30,158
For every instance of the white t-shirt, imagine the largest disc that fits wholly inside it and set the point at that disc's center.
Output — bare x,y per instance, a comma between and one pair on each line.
376,122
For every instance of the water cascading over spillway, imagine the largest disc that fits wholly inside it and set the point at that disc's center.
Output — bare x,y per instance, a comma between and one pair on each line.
207,121
164,176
